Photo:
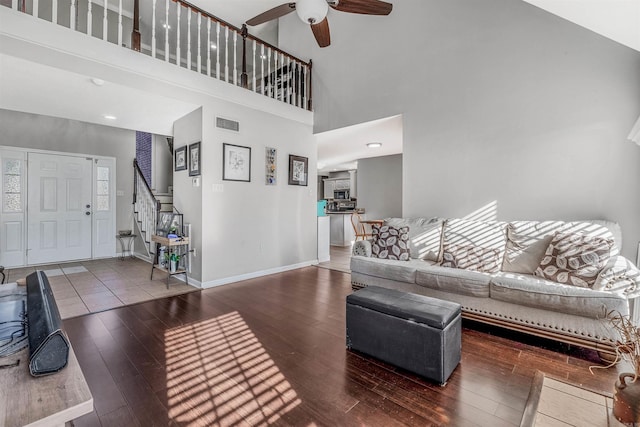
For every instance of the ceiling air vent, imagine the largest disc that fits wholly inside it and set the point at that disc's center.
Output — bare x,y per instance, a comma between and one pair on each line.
227,124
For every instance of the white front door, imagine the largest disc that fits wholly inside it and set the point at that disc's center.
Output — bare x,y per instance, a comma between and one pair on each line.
59,208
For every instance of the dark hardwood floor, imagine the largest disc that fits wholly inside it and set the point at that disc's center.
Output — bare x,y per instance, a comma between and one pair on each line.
272,351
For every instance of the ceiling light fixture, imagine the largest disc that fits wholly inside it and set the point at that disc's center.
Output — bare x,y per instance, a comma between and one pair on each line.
109,117
96,81
312,11
374,145
213,46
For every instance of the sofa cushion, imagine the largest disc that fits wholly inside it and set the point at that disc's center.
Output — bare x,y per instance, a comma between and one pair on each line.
461,232
457,281
621,276
425,235
389,242
523,252
574,259
474,258
528,240
539,293
401,271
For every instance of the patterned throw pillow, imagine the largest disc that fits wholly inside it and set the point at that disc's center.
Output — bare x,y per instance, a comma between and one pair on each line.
574,259
474,258
390,242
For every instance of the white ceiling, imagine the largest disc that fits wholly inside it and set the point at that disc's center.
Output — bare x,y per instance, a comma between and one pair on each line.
618,20
340,149
40,89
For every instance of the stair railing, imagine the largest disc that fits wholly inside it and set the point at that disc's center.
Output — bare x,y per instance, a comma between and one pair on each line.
146,207
181,33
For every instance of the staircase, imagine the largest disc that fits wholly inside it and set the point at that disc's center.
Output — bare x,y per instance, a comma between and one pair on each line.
147,207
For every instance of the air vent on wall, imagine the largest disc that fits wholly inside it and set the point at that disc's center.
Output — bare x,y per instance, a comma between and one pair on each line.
227,124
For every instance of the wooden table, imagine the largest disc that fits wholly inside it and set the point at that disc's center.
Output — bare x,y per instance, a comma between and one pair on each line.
552,403
372,221
51,400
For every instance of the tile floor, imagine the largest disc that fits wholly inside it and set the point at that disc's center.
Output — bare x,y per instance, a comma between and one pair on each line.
340,259
97,285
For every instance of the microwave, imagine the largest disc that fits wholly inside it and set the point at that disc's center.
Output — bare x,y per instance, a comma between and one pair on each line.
341,194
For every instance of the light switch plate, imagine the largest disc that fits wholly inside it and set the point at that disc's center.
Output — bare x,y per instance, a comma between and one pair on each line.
195,181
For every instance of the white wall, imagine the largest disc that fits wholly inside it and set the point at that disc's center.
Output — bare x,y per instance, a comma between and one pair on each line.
69,136
162,168
250,228
380,186
501,102
187,198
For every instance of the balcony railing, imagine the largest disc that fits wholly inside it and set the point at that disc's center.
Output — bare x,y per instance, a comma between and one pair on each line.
187,36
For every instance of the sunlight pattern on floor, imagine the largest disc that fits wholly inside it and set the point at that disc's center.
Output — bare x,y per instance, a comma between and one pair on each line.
218,374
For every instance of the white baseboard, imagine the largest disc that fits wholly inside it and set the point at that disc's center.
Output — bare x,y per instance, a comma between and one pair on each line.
253,275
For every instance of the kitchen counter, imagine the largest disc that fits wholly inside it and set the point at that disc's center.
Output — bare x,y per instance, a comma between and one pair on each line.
342,233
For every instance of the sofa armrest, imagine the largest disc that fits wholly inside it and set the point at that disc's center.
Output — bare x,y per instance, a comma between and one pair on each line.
361,248
621,276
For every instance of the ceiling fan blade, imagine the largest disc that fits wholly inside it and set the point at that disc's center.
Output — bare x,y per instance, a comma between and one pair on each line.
270,14
365,7
321,33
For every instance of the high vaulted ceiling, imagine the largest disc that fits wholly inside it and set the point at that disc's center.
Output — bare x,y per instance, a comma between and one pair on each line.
618,20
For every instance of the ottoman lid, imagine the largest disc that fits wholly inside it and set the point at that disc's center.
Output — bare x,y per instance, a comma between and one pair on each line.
434,312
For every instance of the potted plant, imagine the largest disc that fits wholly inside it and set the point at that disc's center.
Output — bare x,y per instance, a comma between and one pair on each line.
626,399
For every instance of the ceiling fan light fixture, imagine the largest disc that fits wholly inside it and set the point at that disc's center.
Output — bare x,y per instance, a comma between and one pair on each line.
312,11
374,145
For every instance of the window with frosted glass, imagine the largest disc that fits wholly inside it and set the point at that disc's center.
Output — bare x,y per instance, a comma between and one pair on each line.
12,185
102,190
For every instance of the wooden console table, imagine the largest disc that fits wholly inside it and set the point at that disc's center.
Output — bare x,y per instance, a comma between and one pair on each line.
51,400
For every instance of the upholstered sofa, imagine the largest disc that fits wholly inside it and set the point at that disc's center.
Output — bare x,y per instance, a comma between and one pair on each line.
497,272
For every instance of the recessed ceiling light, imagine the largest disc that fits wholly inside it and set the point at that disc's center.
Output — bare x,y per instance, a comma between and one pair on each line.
96,81
374,145
109,117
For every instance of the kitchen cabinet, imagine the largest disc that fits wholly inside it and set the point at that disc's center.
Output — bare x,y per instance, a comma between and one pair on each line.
328,188
342,184
342,233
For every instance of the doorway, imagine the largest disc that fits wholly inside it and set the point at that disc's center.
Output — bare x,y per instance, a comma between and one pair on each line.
56,207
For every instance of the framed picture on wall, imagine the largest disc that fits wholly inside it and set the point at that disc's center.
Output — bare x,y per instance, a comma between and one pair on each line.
298,170
271,164
180,156
194,159
236,163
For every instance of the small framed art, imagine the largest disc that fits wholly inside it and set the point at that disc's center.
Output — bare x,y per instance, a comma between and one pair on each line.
236,163
180,156
194,159
298,170
271,164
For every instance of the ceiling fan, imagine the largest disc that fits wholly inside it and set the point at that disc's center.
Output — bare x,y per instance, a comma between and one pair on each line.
314,13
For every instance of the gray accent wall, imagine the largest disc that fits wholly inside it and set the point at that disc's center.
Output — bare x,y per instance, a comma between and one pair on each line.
380,186
34,131
507,109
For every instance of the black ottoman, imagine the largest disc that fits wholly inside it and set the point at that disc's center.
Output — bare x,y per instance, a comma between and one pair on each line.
414,332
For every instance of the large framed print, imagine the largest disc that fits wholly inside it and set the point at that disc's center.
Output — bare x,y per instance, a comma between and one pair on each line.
180,155
236,163
298,170
194,159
